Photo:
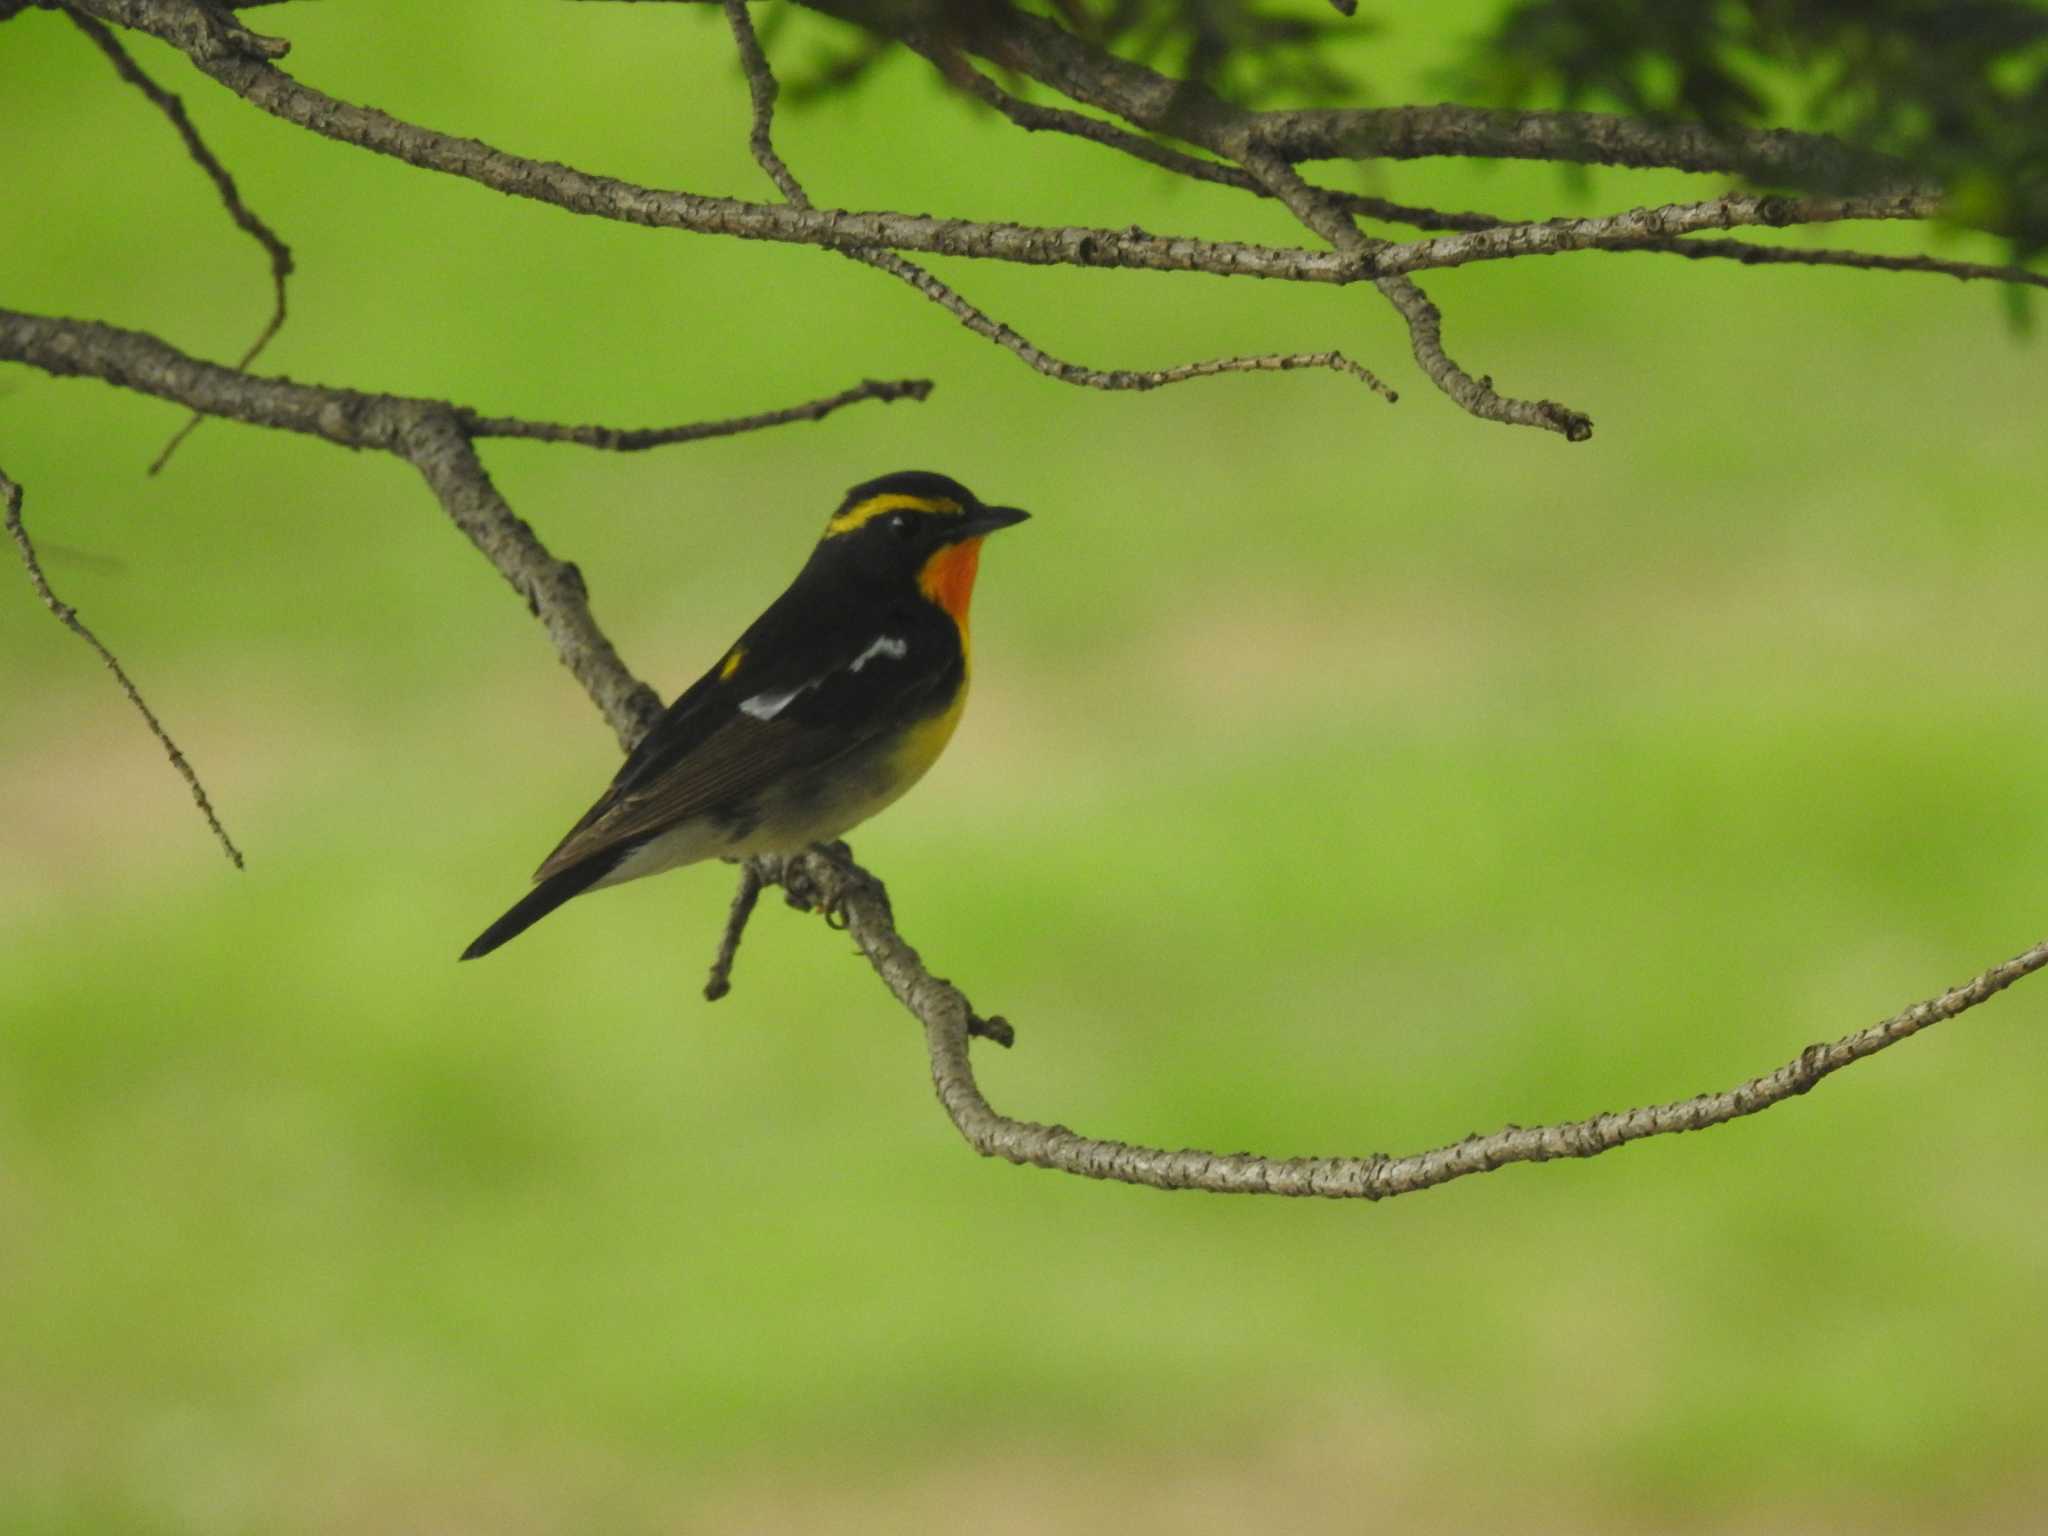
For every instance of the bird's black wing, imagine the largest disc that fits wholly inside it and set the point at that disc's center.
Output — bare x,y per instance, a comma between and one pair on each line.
791,704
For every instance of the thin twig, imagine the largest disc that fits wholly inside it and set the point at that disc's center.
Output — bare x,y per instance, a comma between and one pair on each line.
1643,227
10,497
985,325
1749,253
763,90
720,980
1034,117
634,440
1425,321
279,254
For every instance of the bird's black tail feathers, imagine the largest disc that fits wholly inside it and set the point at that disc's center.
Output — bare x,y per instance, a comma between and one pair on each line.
538,903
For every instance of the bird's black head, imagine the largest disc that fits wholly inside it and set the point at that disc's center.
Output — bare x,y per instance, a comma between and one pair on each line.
895,526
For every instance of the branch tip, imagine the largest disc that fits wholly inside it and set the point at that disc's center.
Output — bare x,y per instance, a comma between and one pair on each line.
743,899
67,615
246,219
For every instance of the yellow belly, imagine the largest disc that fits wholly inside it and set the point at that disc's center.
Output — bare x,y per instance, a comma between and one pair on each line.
858,791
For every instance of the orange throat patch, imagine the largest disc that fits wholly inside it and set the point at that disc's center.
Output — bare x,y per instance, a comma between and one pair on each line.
948,580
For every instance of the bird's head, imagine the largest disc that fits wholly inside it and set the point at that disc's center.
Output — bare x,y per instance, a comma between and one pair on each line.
915,526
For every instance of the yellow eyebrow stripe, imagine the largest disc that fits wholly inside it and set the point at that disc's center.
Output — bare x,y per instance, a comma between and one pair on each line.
861,513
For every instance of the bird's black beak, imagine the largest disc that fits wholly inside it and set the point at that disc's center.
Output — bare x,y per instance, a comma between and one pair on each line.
986,520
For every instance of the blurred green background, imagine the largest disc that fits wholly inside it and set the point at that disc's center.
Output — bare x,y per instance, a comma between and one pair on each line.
1340,777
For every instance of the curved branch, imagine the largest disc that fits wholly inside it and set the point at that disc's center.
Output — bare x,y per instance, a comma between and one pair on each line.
10,518
763,89
1425,320
431,435
278,253
1751,254
828,878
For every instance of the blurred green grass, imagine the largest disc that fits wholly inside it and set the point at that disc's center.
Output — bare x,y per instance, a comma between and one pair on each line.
1340,778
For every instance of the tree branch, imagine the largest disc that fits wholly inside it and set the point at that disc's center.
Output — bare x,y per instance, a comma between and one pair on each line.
1425,320
241,61
763,89
638,439
1612,235
245,218
1042,50
431,435
10,505
828,878
719,982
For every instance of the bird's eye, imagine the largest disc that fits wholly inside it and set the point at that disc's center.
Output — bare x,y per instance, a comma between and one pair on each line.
902,524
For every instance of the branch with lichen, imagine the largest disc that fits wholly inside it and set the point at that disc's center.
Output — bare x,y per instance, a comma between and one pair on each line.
1249,146
763,89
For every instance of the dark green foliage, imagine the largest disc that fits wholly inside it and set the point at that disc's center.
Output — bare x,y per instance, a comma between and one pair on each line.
1958,91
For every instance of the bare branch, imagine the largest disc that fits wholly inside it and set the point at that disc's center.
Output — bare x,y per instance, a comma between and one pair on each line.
279,94
619,440
205,33
1476,395
1425,321
1646,228
245,218
763,90
719,982
10,500
984,325
433,442
1094,78
829,878
431,435
1035,118
1749,253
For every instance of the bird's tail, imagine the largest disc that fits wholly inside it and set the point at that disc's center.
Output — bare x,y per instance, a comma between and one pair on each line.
538,903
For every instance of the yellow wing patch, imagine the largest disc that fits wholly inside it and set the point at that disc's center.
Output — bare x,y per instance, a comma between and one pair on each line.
732,662
861,513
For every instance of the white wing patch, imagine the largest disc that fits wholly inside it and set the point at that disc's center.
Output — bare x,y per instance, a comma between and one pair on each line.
887,645
766,706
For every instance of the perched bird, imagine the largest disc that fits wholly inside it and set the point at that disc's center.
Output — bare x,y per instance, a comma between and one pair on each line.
832,704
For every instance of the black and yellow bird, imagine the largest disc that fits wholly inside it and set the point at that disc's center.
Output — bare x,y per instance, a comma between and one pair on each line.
833,703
